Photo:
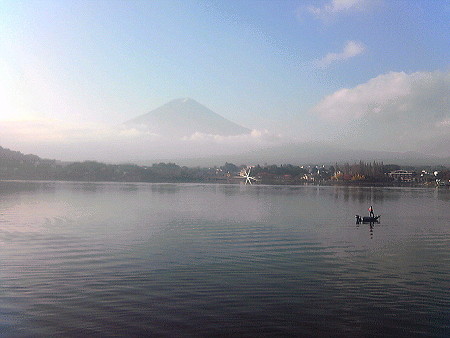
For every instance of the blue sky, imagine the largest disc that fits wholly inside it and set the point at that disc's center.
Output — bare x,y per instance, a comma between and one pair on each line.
263,64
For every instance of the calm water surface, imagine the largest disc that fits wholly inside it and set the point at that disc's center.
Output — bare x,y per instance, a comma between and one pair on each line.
85,259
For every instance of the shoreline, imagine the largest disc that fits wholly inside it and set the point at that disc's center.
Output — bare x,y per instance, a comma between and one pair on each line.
239,182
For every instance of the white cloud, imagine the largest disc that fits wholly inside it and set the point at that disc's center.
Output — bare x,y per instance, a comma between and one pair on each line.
337,6
132,132
444,123
396,110
255,136
392,93
351,49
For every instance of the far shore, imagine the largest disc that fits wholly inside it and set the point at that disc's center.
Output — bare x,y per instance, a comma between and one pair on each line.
329,183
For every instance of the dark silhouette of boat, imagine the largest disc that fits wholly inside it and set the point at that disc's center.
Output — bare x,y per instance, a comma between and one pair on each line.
368,219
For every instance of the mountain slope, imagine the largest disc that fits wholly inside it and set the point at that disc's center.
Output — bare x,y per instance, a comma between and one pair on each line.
184,117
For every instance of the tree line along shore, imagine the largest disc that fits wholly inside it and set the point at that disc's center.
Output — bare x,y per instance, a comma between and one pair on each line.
17,166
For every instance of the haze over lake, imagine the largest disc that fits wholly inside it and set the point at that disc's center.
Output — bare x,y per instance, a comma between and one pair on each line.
86,259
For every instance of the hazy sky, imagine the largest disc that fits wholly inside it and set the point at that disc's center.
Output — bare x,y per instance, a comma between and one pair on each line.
70,71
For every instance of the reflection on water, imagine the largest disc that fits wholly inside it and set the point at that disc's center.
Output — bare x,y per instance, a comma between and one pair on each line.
166,188
370,226
366,195
86,259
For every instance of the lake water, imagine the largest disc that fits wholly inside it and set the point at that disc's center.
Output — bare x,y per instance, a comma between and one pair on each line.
99,259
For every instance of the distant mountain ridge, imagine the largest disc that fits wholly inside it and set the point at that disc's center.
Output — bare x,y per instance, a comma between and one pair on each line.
184,117
11,156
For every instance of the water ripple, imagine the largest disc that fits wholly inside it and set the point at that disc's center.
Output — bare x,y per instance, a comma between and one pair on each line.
118,261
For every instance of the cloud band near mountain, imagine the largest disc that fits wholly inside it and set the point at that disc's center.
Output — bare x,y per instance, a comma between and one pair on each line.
395,109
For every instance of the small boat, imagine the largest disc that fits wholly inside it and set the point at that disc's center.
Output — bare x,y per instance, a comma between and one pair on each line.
368,219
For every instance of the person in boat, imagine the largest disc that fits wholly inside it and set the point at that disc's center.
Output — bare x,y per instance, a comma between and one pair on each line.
371,214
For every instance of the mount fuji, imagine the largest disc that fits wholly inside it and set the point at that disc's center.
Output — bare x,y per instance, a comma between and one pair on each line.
185,117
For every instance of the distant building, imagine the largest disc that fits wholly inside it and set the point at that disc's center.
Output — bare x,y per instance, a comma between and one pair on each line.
402,175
